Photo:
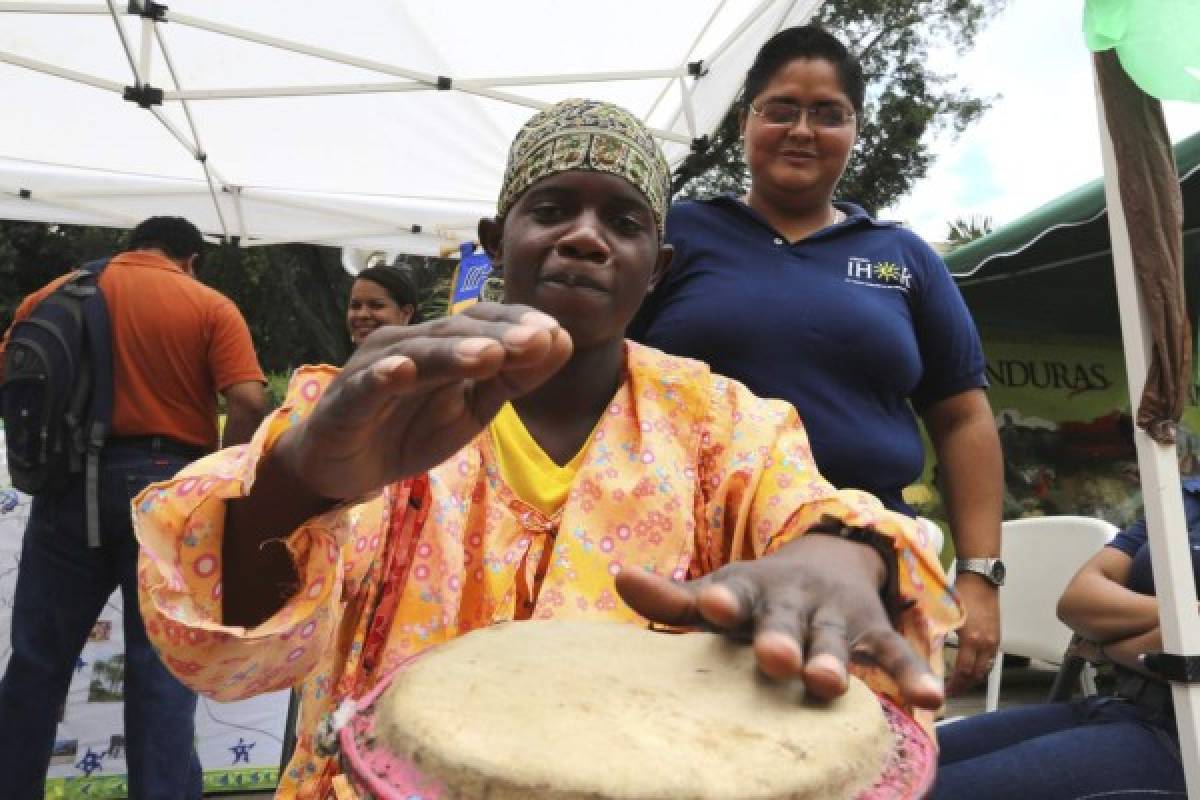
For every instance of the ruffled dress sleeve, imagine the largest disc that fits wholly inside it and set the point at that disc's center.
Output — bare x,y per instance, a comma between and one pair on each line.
180,526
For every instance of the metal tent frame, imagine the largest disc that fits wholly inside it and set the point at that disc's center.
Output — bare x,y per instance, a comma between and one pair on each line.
227,202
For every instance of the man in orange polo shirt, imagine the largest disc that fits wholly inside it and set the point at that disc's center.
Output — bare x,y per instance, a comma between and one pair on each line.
176,345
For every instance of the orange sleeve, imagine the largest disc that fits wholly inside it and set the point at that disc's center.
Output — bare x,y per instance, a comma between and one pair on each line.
231,355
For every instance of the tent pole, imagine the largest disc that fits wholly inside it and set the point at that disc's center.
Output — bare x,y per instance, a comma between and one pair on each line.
467,84
1165,521
687,57
61,72
133,64
236,193
749,20
216,182
48,199
53,8
761,9
377,66
147,49
689,111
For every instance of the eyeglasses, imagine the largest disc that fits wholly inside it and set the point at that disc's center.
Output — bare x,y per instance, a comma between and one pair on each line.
818,115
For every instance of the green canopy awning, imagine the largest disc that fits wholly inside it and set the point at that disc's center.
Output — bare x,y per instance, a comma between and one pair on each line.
1007,249
1051,270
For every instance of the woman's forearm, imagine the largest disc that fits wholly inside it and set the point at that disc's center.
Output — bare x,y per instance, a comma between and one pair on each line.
1105,611
1127,652
971,465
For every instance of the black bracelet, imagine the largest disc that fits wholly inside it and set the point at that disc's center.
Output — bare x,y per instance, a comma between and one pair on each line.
889,593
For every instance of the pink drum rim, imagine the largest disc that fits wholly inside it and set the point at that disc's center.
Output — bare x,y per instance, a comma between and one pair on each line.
908,774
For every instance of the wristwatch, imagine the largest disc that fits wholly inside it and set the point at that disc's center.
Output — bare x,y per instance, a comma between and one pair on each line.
990,568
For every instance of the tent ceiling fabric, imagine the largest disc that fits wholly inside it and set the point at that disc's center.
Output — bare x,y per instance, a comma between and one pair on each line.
327,125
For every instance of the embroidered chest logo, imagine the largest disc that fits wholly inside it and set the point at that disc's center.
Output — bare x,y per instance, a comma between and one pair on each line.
878,274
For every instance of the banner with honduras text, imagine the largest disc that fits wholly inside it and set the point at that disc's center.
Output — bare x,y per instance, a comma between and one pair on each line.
1061,408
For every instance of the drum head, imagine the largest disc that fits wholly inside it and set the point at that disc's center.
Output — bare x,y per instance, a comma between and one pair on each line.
376,772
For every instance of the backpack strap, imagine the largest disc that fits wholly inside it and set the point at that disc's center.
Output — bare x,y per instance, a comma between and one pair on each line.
95,393
81,287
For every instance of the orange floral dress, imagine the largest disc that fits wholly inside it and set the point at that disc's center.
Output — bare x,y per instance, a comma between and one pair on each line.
685,472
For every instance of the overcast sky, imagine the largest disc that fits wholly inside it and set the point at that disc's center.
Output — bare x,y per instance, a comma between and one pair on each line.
1039,140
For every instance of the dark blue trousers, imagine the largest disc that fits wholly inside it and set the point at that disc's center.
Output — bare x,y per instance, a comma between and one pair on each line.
1099,747
62,585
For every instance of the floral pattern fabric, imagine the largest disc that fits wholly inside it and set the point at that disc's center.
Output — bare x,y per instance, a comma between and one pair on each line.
687,471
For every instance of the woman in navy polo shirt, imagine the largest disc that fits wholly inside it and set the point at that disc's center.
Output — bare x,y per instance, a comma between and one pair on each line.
854,321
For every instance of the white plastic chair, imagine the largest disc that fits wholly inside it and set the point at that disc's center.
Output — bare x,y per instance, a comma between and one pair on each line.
1042,554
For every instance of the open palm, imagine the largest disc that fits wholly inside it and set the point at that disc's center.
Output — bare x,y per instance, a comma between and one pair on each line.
413,395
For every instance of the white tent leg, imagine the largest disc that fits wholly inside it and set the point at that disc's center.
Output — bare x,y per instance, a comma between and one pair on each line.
1165,521
995,675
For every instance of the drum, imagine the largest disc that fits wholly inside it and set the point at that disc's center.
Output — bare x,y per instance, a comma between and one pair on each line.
593,710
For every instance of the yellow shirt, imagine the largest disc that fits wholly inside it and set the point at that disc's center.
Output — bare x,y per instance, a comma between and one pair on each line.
524,466
685,472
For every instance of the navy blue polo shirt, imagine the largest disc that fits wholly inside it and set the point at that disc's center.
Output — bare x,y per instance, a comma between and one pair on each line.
1134,542
848,325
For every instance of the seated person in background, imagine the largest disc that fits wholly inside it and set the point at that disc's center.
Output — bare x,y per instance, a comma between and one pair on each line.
1119,746
512,463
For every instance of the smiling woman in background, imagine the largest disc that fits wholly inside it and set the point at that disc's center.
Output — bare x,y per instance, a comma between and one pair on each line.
380,296
854,321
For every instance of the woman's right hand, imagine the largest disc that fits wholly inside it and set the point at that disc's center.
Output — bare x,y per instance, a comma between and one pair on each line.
413,395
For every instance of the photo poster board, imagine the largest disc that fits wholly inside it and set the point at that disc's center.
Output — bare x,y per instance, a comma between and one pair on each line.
239,744
1057,406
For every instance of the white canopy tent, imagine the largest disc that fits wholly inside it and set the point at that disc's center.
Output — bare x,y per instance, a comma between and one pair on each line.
374,125
384,126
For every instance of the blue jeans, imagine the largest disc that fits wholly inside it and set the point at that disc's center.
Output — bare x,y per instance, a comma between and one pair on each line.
1100,747
62,585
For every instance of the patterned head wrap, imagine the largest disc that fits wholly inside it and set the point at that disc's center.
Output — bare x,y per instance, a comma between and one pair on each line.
586,135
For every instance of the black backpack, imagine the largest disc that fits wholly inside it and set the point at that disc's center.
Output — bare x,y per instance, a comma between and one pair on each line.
57,392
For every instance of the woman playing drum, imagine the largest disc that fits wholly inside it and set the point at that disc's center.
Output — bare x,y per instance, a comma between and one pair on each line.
523,461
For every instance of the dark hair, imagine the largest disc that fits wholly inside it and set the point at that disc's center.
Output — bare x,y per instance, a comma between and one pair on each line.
804,42
175,236
399,285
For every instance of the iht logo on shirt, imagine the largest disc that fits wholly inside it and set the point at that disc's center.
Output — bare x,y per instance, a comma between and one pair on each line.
878,274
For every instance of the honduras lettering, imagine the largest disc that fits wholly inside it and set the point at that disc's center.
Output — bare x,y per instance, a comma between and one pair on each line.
1076,378
878,274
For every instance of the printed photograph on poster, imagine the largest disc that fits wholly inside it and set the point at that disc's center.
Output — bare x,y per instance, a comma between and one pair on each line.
64,751
108,680
101,631
116,746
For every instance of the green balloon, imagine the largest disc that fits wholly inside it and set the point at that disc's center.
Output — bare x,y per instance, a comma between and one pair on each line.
1157,41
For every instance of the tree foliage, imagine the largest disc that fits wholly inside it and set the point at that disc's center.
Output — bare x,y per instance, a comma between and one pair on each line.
292,296
433,277
965,230
906,99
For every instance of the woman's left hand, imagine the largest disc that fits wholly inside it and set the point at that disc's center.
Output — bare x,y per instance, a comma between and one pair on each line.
979,636
808,608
